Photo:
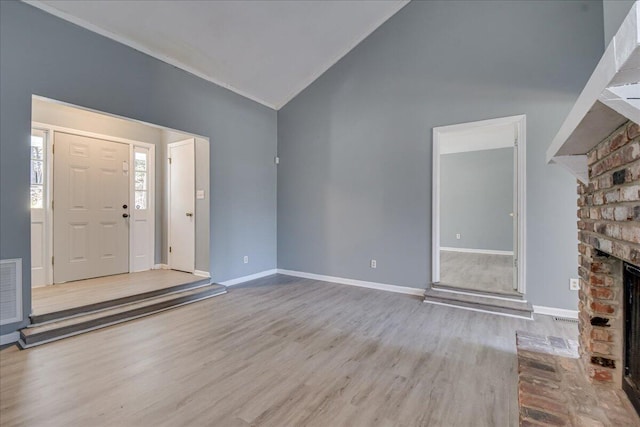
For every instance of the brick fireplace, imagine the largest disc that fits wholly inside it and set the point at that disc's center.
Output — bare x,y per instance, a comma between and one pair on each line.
609,237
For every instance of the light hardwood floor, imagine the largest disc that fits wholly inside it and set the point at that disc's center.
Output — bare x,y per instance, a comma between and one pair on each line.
48,299
281,352
477,272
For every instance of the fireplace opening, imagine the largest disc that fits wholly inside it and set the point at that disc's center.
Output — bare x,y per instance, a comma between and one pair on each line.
631,380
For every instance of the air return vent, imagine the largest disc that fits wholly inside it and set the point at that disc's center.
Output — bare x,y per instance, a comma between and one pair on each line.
565,319
10,291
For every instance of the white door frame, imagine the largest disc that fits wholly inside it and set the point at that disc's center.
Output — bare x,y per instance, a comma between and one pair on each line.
519,123
49,196
190,140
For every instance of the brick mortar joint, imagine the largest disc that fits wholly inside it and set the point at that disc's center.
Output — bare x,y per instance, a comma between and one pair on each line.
622,129
613,239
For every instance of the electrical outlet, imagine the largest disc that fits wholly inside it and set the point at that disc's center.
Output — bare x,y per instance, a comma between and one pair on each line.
374,264
246,259
574,284
458,236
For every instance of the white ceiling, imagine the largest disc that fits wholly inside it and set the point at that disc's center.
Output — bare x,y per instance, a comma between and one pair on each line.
268,51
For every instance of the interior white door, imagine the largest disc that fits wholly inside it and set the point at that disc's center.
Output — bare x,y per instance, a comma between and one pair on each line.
90,216
182,205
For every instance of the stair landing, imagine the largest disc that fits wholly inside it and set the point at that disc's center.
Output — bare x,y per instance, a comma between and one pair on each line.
72,308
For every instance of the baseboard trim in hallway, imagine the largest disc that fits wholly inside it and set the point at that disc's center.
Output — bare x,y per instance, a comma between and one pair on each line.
353,282
9,338
248,278
552,311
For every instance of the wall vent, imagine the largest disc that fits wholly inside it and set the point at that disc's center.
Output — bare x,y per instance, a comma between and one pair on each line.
565,319
10,291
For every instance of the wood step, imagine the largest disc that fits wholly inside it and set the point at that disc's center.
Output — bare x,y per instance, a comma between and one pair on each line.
102,305
486,303
53,331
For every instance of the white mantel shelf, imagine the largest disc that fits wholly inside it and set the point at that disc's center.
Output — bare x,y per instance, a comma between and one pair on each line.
603,105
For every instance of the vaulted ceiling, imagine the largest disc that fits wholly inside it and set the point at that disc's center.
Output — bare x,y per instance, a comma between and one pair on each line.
268,51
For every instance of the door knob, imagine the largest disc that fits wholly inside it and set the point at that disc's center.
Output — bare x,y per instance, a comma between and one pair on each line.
189,214
125,215
124,206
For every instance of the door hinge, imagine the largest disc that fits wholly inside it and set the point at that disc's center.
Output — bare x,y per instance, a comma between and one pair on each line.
52,205
169,249
52,260
53,148
515,262
169,160
515,142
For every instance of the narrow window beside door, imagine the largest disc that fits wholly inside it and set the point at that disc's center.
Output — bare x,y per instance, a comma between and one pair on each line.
141,181
37,170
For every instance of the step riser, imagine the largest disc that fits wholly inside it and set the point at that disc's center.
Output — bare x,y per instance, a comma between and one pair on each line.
524,314
63,314
77,329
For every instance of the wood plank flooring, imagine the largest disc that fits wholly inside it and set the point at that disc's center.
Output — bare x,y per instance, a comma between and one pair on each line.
48,299
477,272
282,351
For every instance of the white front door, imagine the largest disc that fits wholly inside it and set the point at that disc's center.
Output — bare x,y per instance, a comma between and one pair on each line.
90,215
182,205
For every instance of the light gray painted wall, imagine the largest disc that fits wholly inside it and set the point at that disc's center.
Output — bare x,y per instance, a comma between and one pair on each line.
614,12
476,198
43,55
354,180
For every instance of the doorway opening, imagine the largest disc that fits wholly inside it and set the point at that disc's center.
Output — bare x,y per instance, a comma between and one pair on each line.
479,207
100,200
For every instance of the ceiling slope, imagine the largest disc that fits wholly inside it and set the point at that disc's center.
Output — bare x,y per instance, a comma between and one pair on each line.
268,51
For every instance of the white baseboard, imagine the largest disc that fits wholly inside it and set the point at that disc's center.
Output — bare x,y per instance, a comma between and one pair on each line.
248,278
202,273
552,311
9,338
477,251
161,267
353,282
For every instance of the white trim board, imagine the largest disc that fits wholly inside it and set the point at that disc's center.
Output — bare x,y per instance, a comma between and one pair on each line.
552,311
249,278
160,267
602,106
476,251
201,273
9,338
353,282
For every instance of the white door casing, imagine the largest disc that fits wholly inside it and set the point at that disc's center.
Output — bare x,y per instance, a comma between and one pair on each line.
519,214
90,224
181,205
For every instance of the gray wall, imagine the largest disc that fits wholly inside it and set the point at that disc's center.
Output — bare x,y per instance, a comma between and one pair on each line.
43,55
476,198
614,12
354,181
